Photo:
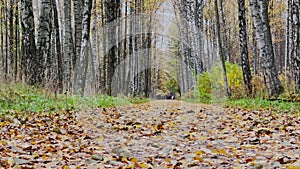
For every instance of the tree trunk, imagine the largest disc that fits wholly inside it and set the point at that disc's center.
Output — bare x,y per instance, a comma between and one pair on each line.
2,40
29,48
7,57
43,41
295,48
244,47
59,59
110,16
225,41
68,46
17,36
264,42
11,52
78,10
288,38
221,52
83,60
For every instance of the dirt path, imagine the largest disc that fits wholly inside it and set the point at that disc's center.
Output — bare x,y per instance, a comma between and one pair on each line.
159,134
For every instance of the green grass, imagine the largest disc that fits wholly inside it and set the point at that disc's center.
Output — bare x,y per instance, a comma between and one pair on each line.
16,98
261,104
252,104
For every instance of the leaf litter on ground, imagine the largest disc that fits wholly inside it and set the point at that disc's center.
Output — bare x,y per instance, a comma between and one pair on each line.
159,134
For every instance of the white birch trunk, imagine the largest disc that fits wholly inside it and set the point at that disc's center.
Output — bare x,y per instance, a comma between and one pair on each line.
85,52
264,42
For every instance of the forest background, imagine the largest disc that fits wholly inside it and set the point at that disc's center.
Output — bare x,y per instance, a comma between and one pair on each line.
197,48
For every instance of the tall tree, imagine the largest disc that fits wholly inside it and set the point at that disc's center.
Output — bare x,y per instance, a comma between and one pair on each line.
221,50
225,43
7,57
17,42
244,46
29,49
264,42
295,46
43,41
111,9
10,34
78,11
57,47
85,52
2,38
68,46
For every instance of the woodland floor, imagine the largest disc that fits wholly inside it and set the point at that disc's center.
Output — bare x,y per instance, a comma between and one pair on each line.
159,134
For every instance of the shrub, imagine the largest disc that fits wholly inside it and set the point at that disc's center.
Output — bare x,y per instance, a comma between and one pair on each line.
211,84
204,86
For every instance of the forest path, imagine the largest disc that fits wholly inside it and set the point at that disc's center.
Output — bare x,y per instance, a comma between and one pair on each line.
176,134
158,134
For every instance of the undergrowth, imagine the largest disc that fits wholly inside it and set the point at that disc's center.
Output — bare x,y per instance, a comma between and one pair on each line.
210,88
280,106
16,98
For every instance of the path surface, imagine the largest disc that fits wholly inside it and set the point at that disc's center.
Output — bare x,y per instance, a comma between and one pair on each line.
159,134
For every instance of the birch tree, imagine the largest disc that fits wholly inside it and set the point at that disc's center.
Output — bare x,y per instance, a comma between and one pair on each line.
78,11
264,41
111,14
68,46
57,47
221,50
10,34
83,60
43,41
244,46
295,42
29,53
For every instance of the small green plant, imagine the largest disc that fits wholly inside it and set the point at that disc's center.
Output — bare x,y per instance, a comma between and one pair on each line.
211,84
204,86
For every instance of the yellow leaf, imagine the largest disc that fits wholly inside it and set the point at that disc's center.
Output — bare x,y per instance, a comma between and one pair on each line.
134,160
129,167
233,149
215,151
35,155
292,167
137,126
4,123
3,142
124,159
168,160
171,124
222,151
65,167
199,158
44,156
191,137
144,165
249,146
199,152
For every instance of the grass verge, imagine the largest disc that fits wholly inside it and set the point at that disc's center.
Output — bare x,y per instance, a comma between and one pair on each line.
16,98
280,106
260,104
